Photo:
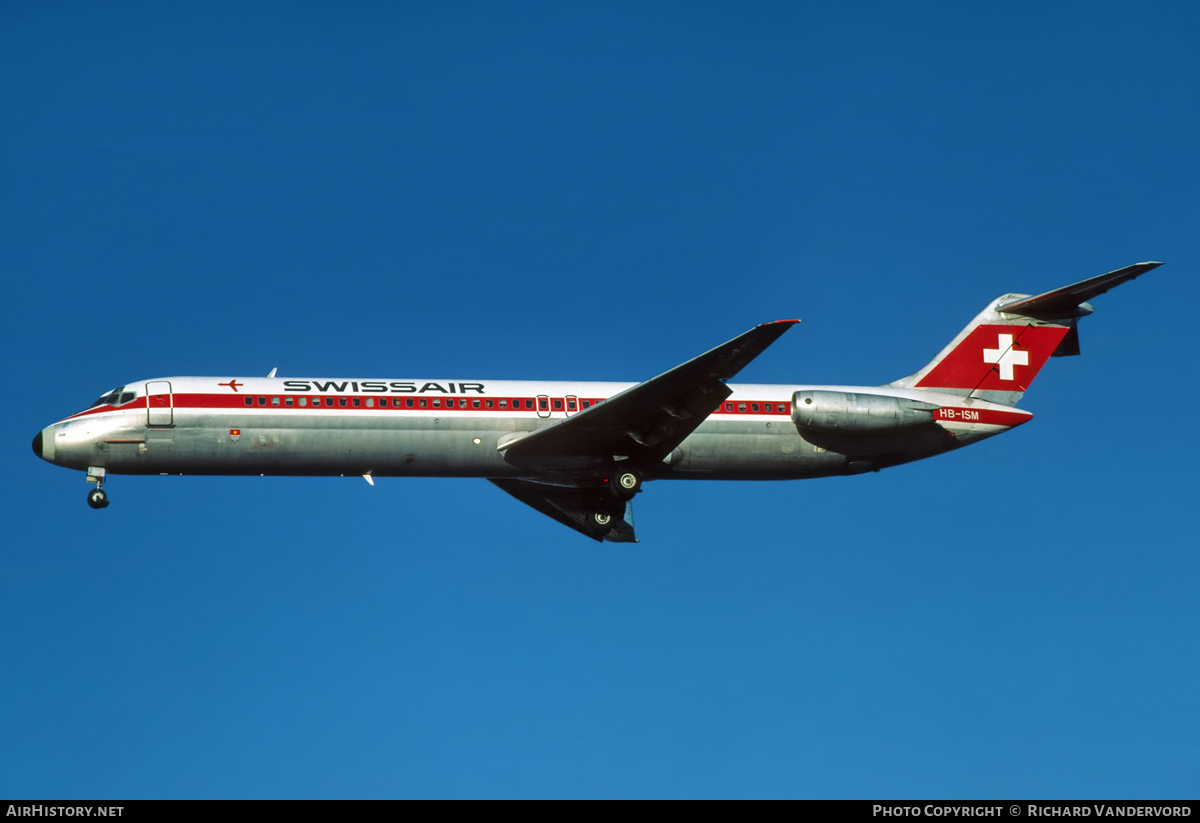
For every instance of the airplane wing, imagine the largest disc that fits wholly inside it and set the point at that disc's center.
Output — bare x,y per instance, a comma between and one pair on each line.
1065,302
570,506
645,423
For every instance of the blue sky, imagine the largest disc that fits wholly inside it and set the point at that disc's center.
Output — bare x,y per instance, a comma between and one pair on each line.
600,191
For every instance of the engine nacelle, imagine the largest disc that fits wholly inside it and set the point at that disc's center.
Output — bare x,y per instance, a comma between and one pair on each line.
839,412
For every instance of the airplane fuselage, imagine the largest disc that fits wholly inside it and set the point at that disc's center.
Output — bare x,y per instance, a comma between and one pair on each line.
457,428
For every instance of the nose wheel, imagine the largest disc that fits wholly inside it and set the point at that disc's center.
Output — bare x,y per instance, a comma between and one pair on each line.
97,499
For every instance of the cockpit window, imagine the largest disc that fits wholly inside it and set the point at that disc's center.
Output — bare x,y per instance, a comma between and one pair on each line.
116,397
107,399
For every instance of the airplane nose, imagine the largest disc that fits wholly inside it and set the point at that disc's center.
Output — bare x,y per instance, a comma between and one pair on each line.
43,444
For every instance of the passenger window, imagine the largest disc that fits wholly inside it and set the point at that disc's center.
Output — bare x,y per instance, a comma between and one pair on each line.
488,403
249,401
504,404
437,402
328,401
728,407
370,402
741,407
542,404
753,407
357,402
275,401
303,401
557,404
409,402
288,401
587,404
529,404
262,401
475,403
570,404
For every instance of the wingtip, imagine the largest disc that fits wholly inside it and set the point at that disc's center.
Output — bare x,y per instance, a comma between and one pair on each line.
778,322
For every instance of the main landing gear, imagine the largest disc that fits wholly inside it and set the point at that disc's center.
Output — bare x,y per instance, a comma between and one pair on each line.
625,484
622,486
96,498
601,522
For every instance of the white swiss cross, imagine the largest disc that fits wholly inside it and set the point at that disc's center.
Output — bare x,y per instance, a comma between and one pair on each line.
1006,356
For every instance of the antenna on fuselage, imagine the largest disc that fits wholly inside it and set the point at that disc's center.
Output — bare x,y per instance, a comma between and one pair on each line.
272,374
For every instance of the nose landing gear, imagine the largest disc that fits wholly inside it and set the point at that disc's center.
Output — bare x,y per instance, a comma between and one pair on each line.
96,498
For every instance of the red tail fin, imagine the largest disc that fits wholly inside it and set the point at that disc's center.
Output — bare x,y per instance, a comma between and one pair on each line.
1003,357
997,356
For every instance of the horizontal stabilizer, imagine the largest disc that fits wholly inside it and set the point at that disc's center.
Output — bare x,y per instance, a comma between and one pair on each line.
1065,302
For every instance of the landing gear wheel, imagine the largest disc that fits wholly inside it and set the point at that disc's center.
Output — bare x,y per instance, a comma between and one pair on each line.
625,484
97,499
601,522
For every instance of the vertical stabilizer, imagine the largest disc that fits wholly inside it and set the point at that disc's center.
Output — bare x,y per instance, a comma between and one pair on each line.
997,356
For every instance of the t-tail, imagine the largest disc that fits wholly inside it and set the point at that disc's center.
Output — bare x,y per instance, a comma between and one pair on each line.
997,356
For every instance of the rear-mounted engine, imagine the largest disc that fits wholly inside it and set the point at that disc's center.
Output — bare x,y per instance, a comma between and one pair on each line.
837,412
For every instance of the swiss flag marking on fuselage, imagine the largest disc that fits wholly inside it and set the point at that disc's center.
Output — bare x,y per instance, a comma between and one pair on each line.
1005,356
988,357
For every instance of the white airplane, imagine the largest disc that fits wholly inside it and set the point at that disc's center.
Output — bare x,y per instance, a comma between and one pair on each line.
579,452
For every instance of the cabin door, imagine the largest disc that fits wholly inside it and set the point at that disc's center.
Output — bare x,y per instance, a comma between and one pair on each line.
160,404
